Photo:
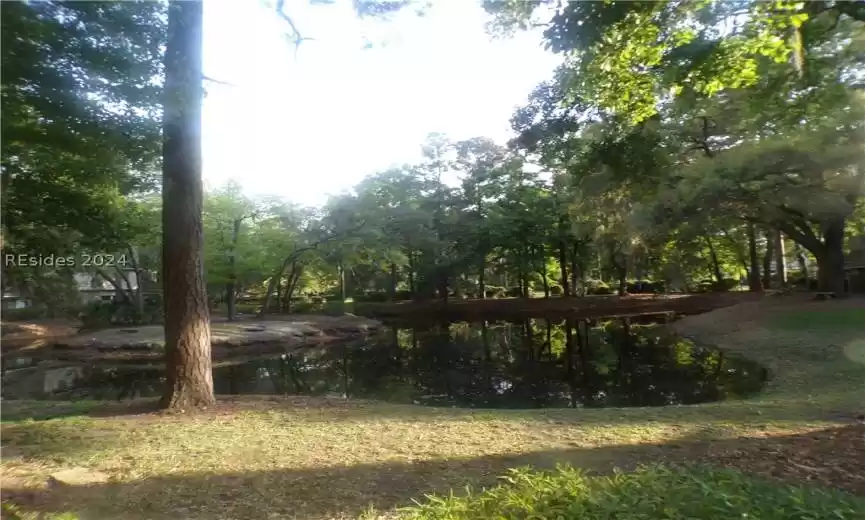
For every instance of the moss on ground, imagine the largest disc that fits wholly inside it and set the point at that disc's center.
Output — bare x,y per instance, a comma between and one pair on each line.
320,458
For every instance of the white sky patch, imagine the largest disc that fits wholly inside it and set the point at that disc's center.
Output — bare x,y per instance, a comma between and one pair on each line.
307,127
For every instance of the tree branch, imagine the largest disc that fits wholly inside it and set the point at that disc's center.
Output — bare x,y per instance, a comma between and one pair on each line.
119,289
297,38
220,82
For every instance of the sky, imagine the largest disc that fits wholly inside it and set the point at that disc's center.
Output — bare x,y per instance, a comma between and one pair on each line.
306,125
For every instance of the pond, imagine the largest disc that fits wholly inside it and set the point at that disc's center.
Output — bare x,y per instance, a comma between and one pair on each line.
534,363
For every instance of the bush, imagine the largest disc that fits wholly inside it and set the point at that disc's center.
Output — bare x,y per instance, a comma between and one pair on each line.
555,290
641,287
657,492
514,292
27,313
99,314
724,285
597,287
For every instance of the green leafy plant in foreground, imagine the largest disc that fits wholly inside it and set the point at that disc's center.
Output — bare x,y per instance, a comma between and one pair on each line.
649,493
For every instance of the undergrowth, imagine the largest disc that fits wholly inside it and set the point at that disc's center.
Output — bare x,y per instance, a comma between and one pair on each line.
658,492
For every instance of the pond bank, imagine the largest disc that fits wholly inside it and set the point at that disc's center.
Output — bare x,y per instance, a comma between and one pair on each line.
555,307
322,458
229,340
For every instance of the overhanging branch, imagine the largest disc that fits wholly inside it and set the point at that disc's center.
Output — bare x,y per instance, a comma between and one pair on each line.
296,37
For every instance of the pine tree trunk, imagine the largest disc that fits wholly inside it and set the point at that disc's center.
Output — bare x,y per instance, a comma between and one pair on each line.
482,286
187,317
753,260
768,257
342,291
716,266
803,263
780,259
563,267
392,282
230,287
411,284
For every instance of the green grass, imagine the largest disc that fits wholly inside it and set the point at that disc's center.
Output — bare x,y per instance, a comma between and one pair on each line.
853,318
648,493
321,458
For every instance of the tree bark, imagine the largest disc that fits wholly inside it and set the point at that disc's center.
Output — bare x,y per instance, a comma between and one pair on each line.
575,268
482,286
713,254
830,258
753,260
803,263
563,267
411,283
139,290
780,259
230,287
341,274
392,282
543,273
768,257
187,318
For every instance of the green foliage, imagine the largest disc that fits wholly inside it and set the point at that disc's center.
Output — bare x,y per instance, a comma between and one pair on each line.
80,118
650,492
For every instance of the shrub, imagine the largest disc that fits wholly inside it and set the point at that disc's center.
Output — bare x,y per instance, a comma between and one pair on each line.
514,292
657,492
99,314
597,287
555,290
372,296
641,287
34,312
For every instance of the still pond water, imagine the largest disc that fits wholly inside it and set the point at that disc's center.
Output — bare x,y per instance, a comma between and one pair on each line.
535,363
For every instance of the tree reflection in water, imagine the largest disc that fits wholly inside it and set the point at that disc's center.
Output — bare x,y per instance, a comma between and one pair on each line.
533,363
528,364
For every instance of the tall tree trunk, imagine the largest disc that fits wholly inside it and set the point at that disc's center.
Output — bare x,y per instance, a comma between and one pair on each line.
482,269
139,290
563,267
575,268
713,254
341,273
411,283
230,287
543,273
830,258
623,280
753,260
780,259
803,263
768,257
189,377
393,280
620,262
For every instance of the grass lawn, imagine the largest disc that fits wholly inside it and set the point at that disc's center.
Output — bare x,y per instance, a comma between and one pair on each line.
319,458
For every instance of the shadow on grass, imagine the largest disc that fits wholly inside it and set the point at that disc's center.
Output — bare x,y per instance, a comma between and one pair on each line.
44,410
830,457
